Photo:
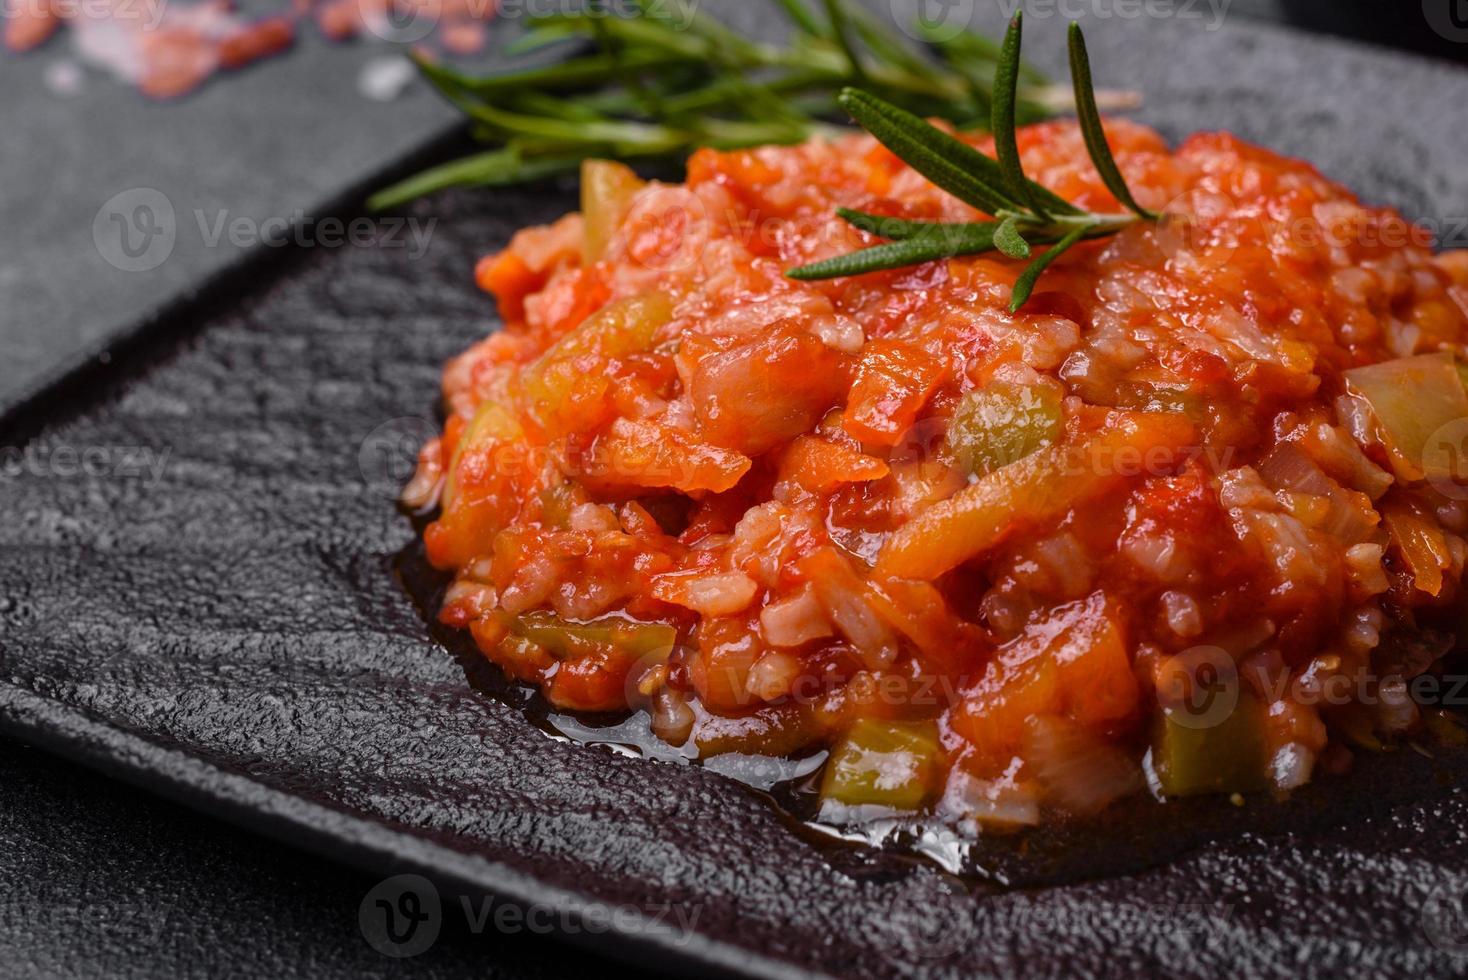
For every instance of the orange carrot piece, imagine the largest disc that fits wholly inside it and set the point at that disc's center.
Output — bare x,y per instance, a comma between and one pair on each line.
1036,489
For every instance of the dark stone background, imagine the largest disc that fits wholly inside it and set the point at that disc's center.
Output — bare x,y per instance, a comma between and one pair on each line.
100,879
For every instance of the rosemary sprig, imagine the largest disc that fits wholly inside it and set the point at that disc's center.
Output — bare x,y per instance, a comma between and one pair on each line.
1025,213
660,79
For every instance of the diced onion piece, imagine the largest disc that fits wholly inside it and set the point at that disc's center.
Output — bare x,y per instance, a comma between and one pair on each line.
896,764
1413,398
773,675
424,489
1000,805
794,620
1422,545
607,189
671,717
1081,772
717,594
843,596
1395,710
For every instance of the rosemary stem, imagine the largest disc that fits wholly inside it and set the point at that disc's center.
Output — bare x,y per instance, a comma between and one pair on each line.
1059,225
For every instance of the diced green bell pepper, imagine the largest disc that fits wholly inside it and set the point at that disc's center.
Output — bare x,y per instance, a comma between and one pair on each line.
896,764
1228,756
1002,424
563,638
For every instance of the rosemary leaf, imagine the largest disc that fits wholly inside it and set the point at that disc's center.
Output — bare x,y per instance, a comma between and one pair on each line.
841,34
1006,144
595,69
654,32
1090,120
970,176
801,16
727,92
951,241
952,165
661,78
900,228
1008,240
495,168
877,36
537,38
628,137
1027,212
680,16
970,47
1025,284
554,107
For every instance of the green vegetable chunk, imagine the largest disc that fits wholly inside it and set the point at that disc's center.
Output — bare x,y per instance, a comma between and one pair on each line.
896,764
1002,424
1195,754
565,639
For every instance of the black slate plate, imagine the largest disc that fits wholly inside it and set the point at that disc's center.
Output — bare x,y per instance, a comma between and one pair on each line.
230,629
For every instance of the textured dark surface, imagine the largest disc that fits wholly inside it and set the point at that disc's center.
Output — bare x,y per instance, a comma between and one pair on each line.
282,139
232,633
93,890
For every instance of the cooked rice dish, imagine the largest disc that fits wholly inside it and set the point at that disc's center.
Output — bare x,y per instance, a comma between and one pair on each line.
1192,521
